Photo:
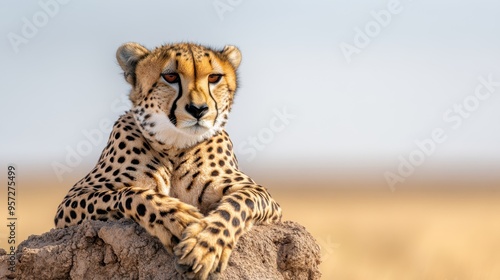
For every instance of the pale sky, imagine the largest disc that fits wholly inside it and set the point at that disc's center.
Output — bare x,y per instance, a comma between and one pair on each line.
414,70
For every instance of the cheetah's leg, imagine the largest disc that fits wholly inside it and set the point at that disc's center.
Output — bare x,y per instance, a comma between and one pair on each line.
162,216
206,246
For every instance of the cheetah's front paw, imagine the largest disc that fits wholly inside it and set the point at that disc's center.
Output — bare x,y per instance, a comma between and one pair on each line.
169,222
204,250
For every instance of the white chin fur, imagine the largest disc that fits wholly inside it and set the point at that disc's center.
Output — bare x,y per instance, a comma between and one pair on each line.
165,132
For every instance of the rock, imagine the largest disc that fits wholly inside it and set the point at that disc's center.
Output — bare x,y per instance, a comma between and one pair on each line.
124,250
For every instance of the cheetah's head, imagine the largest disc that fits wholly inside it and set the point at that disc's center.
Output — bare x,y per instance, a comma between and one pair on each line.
181,93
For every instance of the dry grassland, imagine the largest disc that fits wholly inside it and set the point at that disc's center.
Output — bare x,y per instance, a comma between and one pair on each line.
364,234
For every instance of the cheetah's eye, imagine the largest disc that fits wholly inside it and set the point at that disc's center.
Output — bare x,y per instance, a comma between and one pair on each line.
171,77
214,78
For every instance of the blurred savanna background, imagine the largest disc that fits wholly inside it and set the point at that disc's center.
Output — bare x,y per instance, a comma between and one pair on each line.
375,124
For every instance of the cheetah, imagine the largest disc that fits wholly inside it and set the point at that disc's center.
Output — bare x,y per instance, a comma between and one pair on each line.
169,164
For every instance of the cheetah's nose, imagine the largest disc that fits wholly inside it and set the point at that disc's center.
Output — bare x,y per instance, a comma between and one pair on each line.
197,111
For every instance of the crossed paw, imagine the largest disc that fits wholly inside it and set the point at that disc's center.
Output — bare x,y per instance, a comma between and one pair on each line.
170,223
204,249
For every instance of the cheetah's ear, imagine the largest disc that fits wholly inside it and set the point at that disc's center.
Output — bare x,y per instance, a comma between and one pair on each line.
233,54
128,55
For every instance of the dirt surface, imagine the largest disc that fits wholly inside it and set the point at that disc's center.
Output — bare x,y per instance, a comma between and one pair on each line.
123,250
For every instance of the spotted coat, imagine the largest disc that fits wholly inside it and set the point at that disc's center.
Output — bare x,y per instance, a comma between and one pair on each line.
169,165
